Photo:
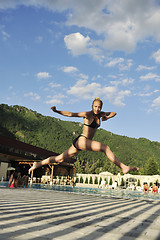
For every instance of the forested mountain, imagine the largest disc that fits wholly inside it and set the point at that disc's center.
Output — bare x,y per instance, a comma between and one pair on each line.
56,135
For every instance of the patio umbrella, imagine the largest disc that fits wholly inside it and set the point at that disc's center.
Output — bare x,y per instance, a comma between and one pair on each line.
10,168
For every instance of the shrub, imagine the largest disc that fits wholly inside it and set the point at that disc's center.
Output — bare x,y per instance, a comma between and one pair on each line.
96,180
106,180
86,181
110,181
122,182
90,180
81,179
138,183
100,180
77,180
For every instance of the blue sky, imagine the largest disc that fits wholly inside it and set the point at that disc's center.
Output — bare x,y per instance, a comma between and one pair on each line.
66,53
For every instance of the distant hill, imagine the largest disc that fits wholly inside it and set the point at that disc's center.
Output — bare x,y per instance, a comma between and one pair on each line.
56,135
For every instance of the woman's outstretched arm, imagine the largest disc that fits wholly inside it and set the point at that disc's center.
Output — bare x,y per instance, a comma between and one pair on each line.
107,115
70,114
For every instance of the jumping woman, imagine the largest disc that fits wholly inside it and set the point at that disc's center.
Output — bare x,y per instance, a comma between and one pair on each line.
84,141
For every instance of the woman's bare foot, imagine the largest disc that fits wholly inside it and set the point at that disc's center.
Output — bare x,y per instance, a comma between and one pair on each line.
35,165
127,169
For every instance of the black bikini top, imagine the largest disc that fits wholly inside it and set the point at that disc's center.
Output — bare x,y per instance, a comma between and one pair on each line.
94,124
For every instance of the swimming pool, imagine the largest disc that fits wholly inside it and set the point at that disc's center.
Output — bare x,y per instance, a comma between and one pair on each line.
117,193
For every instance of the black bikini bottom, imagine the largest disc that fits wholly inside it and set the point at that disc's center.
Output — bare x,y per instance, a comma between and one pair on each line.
75,140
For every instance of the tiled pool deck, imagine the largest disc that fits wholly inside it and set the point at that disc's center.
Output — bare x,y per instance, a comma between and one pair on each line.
30,214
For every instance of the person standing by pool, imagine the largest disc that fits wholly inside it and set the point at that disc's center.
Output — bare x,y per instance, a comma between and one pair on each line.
84,141
12,180
11,183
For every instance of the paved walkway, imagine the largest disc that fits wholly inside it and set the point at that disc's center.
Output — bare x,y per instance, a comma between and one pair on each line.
29,214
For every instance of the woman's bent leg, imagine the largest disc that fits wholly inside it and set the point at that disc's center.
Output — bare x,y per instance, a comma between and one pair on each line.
90,145
72,151
41,163
111,156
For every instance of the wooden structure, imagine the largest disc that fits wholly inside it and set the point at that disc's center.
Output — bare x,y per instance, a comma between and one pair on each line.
22,155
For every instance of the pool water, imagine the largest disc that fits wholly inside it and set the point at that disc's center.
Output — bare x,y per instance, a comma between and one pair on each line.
117,193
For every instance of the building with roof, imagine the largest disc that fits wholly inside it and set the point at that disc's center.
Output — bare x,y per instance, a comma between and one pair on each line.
20,156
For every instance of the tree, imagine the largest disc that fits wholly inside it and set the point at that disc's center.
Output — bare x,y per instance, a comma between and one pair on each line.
138,183
86,180
92,166
96,180
151,167
106,180
81,179
122,182
110,181
77,179
79,166
100,180
90,180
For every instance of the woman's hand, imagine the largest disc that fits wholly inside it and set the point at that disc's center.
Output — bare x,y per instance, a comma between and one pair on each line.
108,115
105,118
53,109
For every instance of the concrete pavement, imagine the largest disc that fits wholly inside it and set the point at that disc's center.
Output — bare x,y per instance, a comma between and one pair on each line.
30,214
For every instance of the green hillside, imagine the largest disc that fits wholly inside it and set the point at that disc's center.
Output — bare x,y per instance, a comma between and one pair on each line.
56,135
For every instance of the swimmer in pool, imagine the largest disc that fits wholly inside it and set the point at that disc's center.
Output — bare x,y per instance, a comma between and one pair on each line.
155,188
92,120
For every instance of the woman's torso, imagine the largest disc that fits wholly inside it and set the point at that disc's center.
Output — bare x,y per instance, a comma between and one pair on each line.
155,189
90,126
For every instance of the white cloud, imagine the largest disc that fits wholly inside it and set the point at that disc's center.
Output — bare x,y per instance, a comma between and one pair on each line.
77,43
147,93
156,56
126,66
142,67
85,90
112,76
150,76
75,72
127,81
56,99
155,91
54,85
33,96
156,102
69,69
121,23
114,62
80,45
121,63
4,34
124,82
118,100
82,76
43,75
